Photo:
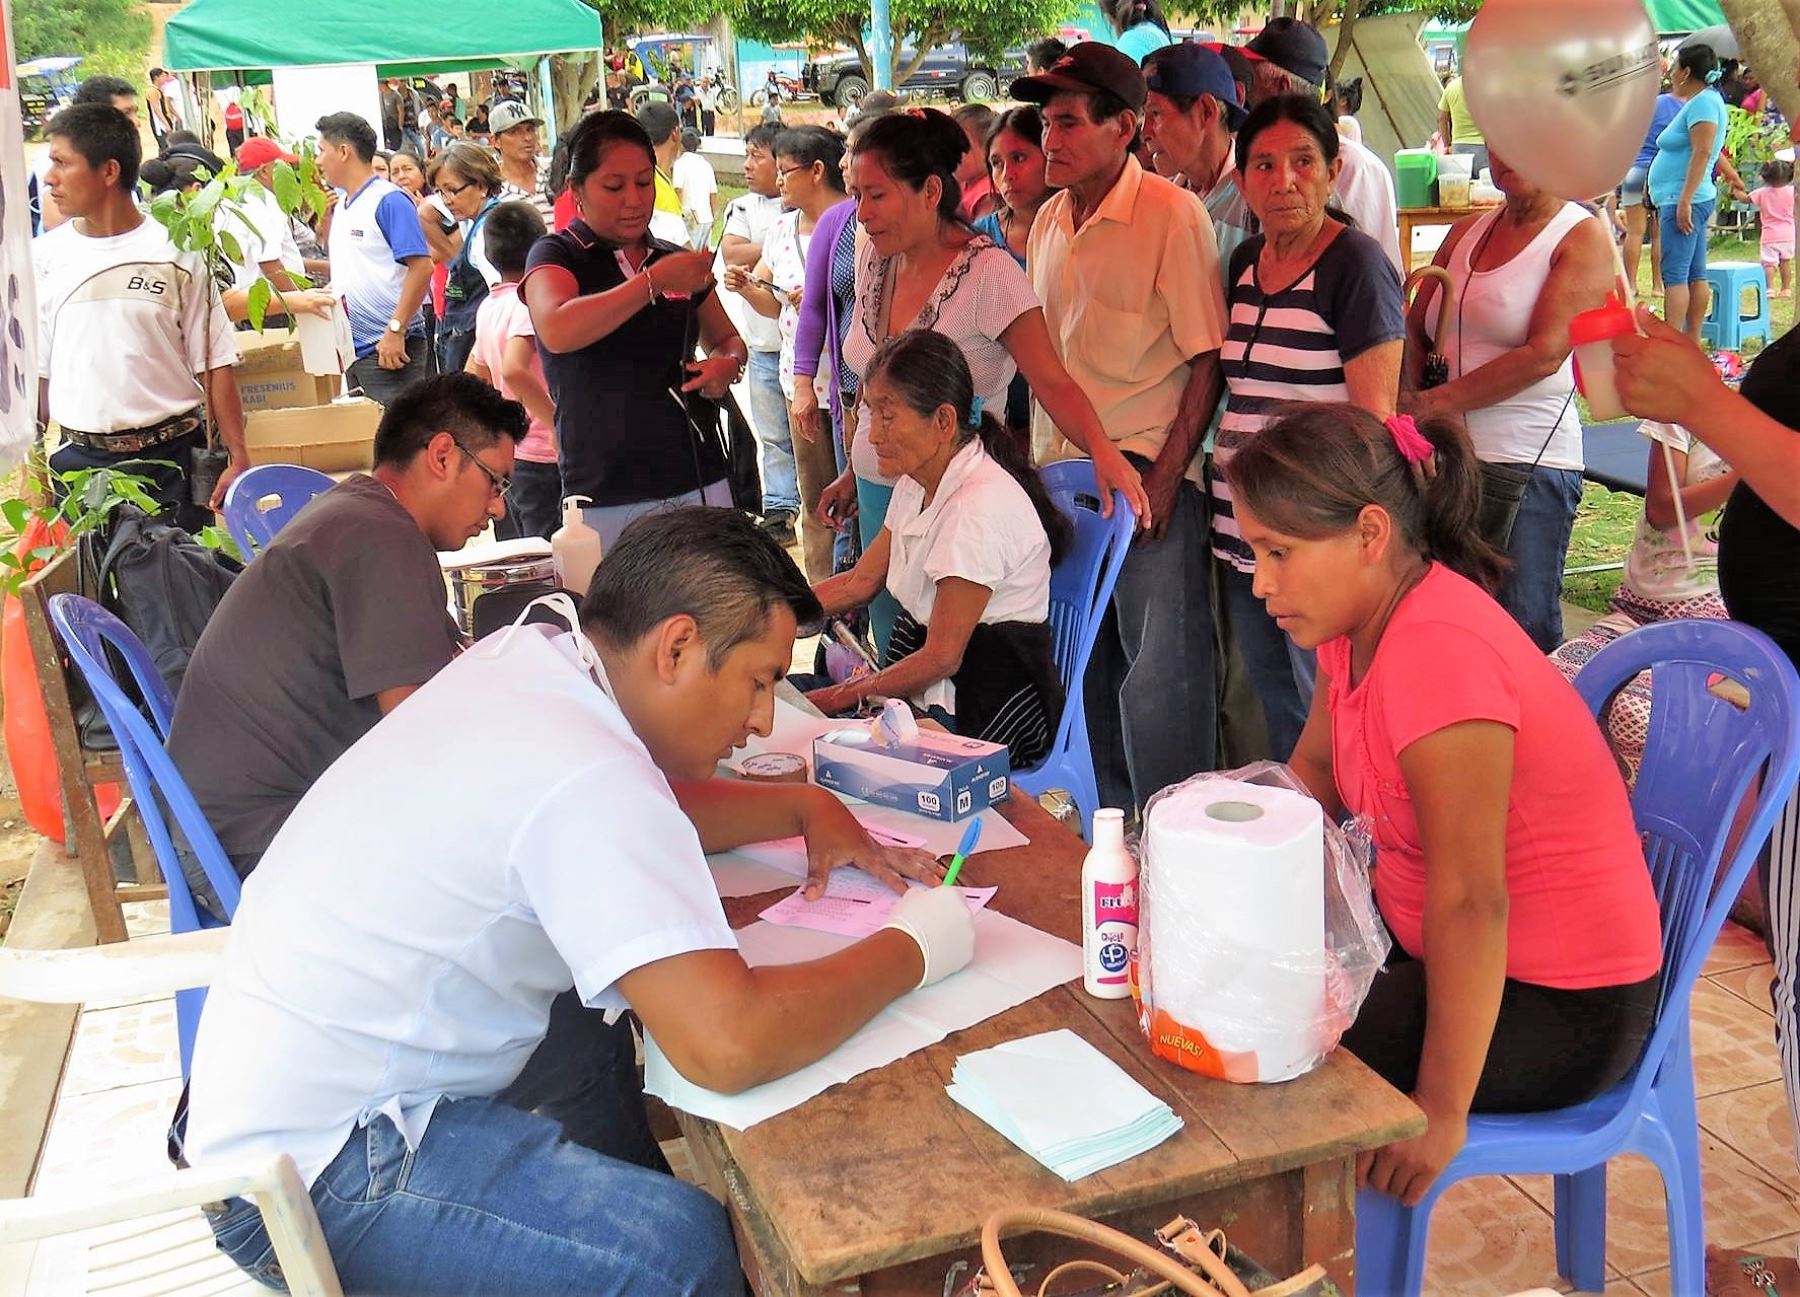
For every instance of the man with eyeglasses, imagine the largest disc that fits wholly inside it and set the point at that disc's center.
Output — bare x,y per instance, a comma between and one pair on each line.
342,617
379,259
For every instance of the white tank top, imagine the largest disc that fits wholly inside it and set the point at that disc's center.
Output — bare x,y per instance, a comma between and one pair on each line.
1493,316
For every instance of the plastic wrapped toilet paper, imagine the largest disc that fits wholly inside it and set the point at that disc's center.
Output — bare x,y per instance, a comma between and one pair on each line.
1258,936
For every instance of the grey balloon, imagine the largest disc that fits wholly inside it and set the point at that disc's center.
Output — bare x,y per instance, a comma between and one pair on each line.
1563,90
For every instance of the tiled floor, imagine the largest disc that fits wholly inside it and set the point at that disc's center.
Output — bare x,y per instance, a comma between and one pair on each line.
1488,1236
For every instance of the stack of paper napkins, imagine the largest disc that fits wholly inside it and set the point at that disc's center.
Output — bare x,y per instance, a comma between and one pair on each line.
1062,1101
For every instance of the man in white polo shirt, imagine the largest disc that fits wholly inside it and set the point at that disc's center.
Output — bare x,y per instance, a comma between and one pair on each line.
133,341
379,261
535,816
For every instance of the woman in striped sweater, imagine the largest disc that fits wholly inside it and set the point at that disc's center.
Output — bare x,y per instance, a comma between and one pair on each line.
1316,315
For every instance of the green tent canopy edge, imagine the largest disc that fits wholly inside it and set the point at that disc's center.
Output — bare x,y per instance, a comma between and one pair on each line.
227,35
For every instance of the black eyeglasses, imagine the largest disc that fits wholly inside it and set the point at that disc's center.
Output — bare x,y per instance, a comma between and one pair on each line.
499,483
451,191
784,172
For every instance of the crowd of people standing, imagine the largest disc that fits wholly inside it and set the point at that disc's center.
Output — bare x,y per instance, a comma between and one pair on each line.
1171,261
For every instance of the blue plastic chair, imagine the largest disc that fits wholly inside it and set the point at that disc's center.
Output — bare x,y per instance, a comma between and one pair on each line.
1702,755
1728,325
1081,587
88,631
262,500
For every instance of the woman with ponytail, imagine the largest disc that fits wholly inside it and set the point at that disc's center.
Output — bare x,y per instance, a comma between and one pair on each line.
1508,868
1681,184
923,267
966,551
1139,26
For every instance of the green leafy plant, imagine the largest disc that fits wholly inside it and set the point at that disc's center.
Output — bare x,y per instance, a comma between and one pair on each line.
194,225
81,500
77,502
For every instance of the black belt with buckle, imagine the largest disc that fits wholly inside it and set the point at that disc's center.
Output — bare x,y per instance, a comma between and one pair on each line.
128,440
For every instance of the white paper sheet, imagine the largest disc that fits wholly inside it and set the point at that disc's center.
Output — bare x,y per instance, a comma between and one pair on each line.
1061,1100
854,905
1013,963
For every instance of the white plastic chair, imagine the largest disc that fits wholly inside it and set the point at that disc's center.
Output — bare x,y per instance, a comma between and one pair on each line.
147,1235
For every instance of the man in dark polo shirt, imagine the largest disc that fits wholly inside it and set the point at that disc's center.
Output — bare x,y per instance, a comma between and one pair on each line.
342,617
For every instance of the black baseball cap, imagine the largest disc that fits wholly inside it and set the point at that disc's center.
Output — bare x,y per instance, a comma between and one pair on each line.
1087,67
1188,71
1293,46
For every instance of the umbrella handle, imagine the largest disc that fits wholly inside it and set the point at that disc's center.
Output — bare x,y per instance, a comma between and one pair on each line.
1446,296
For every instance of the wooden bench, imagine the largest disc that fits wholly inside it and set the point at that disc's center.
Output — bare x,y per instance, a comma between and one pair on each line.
80,770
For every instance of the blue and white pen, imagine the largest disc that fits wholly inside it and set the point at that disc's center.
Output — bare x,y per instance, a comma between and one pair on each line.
970,837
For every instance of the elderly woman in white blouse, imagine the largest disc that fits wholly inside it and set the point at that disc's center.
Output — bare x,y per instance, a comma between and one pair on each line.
966,550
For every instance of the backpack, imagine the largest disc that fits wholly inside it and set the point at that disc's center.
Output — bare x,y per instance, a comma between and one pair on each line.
163,584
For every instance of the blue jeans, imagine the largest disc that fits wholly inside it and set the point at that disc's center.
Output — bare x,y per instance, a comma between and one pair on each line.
1684,255
493,1200
1281,672
769,412
1150,691
383,385
1532,590
534,505
610,520
871,513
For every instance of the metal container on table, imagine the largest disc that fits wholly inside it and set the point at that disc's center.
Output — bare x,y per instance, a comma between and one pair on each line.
528,575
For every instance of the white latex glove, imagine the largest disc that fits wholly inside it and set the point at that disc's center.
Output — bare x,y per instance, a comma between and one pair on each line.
938,919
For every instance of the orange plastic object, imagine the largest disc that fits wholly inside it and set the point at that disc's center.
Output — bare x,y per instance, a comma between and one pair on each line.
27,724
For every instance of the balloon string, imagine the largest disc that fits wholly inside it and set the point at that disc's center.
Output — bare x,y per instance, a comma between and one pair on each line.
1668,451
1625,284
1681,522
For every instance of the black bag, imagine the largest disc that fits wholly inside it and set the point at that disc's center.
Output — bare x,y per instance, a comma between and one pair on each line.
1502,487
743,467
163,584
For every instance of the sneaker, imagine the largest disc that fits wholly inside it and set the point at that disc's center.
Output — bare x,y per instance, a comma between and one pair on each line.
778,526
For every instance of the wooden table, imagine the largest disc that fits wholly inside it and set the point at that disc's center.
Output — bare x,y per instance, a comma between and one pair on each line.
880,1185
1413,218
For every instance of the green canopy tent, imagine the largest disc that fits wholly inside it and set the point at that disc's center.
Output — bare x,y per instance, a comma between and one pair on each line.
1679,17
241,40
247,35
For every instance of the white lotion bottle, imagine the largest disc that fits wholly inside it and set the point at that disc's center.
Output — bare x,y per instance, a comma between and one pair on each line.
575,548
1109,910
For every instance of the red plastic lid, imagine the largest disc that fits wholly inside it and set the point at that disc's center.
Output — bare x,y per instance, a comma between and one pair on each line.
1602,323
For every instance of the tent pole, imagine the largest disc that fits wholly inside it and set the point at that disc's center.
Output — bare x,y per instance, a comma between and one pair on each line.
547,88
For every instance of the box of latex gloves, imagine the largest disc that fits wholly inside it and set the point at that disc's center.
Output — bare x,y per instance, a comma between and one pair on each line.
891,762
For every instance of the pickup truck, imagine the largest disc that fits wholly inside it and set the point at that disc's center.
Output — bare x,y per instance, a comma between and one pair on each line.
948,71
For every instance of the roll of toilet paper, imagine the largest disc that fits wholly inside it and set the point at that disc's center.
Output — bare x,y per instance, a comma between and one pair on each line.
1232,959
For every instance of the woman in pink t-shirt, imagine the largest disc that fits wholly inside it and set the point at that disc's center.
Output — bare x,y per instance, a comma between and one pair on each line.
1507,867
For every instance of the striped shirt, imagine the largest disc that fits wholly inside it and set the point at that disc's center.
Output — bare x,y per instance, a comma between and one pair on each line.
1292,345
540,197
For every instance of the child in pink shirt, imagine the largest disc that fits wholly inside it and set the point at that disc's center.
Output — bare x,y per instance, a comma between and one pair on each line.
1774,199
505,354
1508,867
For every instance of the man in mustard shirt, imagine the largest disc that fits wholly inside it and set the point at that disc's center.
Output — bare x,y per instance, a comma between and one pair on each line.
1457,125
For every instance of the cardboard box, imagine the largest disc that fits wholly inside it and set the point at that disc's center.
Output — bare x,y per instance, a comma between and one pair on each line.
272,373
937,775
334,438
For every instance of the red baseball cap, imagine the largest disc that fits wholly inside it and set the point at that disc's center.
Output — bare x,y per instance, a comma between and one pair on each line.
260,151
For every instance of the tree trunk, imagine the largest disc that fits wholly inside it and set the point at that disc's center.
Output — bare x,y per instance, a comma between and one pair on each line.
1346,30
572,75
1766,29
